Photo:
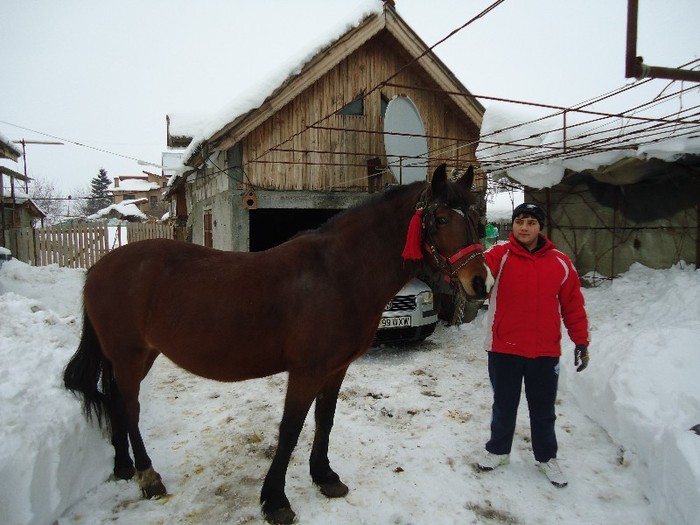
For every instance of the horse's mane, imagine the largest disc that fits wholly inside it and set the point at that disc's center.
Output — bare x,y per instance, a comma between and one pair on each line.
456,195
393,193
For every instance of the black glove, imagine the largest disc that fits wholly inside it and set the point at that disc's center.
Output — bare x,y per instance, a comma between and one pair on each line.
581,356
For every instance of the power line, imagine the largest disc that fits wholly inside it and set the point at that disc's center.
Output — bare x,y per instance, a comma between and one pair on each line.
76,143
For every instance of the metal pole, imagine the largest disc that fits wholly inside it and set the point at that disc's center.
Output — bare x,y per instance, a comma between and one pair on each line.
632,67
24,164
2,206
635,66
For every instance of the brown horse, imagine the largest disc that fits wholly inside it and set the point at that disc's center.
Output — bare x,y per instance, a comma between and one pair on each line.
309,307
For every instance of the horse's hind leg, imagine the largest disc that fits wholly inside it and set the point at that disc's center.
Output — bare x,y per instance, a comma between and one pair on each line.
321,472
123,464
128,380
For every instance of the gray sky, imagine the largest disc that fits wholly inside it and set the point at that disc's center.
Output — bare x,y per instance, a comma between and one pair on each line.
105,74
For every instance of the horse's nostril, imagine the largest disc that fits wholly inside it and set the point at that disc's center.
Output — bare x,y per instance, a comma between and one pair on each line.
479,285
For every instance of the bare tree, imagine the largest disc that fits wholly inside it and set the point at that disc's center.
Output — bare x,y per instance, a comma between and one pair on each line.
49,199
79,201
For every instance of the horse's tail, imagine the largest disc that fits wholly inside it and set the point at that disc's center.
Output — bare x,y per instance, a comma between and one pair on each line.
89,375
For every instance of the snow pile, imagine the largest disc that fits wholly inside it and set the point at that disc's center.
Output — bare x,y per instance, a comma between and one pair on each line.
48,457
520,136
409,426
646,366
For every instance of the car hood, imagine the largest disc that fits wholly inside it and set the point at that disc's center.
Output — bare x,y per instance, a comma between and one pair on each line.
414,287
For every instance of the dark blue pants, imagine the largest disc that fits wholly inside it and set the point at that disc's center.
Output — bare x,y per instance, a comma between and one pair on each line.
541,376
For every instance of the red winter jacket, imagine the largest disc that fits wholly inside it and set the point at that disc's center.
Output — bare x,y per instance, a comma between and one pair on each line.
533,292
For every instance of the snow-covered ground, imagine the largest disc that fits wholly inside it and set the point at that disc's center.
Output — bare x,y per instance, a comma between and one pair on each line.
410,424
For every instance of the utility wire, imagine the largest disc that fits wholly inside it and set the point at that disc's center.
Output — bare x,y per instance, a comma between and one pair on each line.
76,143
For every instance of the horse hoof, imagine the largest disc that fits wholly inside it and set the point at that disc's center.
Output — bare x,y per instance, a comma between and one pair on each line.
124,472
283,516
334,489
151,485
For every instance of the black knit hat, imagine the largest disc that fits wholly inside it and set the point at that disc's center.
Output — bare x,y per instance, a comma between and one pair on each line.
533,210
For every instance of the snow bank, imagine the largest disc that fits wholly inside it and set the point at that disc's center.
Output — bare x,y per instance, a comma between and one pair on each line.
48,459
642,384
427,411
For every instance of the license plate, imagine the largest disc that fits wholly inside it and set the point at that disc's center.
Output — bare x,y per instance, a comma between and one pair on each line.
395,322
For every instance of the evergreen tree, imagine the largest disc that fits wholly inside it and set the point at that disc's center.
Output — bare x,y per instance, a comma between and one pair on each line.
99,197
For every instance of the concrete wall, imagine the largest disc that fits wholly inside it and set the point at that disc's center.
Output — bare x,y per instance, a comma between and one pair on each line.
214,190
605,228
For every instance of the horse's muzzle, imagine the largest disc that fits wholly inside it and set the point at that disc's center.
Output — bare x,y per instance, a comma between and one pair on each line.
476,284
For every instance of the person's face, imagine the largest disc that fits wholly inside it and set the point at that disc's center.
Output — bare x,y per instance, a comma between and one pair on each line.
526,230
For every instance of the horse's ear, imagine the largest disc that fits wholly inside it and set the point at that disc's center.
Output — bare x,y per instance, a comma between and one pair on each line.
439,181
468,178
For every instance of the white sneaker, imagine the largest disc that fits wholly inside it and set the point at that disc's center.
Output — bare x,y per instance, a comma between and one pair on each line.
491,461
553,472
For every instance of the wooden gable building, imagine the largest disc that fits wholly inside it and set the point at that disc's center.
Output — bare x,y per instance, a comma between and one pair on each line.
315,145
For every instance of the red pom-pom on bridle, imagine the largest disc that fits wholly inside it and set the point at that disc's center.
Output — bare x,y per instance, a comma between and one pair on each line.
414,238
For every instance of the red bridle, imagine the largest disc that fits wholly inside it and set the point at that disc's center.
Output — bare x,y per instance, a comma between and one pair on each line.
450,266
417,233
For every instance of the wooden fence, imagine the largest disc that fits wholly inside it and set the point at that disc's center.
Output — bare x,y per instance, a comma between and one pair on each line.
140,231
76,246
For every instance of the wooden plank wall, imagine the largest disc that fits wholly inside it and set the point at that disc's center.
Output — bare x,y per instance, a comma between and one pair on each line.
20,242
325,159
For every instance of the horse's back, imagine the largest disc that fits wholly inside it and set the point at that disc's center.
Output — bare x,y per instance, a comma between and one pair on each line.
222,315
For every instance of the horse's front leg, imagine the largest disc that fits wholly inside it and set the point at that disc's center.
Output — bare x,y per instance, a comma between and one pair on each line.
321,472
301,390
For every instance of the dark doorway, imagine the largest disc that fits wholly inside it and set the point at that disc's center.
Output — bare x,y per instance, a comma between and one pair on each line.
270,227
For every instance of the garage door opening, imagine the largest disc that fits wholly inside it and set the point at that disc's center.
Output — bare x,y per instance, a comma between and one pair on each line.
270,227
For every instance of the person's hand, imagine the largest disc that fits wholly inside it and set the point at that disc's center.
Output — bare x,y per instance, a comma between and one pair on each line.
581,356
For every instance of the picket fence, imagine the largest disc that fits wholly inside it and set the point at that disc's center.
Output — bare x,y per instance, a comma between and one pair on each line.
79,245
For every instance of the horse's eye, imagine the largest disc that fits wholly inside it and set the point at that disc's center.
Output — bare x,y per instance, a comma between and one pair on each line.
441,220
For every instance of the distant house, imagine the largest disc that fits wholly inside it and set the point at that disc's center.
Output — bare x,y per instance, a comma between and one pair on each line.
315,144
146,189
126,210
17,210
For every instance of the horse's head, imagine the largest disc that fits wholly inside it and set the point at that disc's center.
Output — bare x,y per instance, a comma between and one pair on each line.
451,233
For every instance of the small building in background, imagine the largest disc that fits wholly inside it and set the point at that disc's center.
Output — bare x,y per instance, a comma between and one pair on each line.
147,189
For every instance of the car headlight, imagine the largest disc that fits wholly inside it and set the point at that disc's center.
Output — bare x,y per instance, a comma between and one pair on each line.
426,298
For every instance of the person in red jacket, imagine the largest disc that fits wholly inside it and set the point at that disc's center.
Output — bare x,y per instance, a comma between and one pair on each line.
536,286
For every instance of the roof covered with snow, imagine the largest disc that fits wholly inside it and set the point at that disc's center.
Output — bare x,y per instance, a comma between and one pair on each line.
333,43
127,208
8,150
537,151
201,127
133,185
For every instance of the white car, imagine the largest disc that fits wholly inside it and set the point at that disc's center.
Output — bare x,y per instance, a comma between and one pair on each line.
410,316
